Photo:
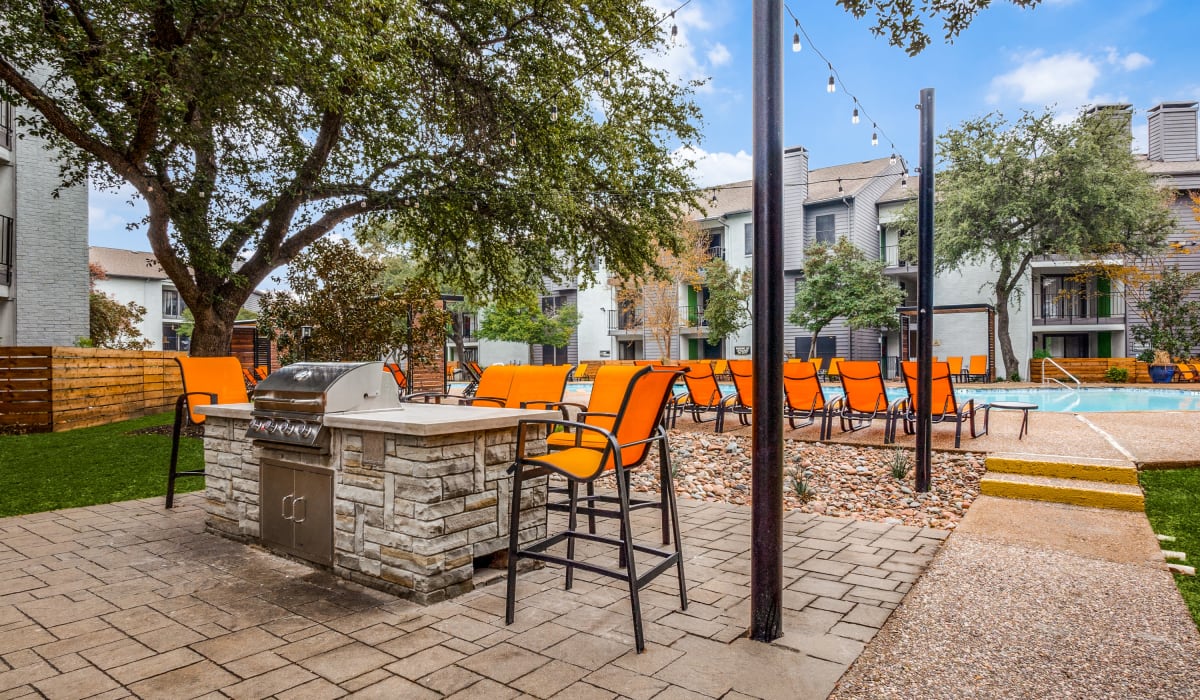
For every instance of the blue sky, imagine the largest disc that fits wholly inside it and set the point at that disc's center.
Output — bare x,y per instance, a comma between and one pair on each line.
1063,54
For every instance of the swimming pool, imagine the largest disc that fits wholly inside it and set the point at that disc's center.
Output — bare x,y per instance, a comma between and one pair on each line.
1091,400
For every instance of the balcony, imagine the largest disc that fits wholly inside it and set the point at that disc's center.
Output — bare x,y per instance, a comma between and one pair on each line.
626,323
1093,309
6,250
891,257
692,322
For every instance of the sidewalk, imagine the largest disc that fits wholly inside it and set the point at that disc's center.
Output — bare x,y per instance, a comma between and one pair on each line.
1037,600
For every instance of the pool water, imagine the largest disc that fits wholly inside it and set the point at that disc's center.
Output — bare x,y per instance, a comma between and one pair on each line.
1094,400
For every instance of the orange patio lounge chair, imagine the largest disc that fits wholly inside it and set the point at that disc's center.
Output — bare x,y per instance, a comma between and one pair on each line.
398,376
743,380
945,406
864,396
249,378
804,398
636,427
703,396
206,380
977,368
532,386
834,369
262,371
955,364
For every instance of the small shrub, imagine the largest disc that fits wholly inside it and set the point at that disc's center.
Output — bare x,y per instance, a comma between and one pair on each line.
1117,375
1146,356
1014,376
801,486
900,463
1041,354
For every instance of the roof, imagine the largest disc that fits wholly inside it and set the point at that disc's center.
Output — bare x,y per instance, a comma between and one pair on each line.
823,182
902,193
126,263
725,199
1159,167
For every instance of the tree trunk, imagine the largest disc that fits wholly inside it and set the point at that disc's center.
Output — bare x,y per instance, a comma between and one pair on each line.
1006,348
213,333
812,344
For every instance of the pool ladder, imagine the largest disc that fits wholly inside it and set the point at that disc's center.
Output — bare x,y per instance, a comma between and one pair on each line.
1046,379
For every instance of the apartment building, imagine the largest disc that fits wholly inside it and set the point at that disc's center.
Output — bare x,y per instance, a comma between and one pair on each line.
43,243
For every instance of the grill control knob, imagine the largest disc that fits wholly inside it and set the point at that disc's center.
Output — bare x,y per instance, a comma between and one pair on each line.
309,431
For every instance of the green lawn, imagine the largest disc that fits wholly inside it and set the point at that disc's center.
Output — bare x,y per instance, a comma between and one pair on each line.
1173,506
49,471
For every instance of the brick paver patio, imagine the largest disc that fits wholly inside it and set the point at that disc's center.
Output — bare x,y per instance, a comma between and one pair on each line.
128,599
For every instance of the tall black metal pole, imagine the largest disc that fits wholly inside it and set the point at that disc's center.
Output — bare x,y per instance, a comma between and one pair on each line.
925,293
766,479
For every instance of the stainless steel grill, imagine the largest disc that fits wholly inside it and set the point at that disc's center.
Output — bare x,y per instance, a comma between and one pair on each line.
290,405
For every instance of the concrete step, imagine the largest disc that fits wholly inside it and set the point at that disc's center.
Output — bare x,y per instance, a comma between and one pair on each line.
1077,492
1111,471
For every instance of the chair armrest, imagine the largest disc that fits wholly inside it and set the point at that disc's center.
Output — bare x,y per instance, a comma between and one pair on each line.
611,446
471,400
424,396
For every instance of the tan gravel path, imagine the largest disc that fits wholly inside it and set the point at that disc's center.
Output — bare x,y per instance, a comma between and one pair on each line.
1085,609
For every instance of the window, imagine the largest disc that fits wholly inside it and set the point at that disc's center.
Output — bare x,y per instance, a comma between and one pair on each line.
172,305
749,229
715,243
825,230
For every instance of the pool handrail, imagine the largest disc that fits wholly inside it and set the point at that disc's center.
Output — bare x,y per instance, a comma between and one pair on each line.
1078,384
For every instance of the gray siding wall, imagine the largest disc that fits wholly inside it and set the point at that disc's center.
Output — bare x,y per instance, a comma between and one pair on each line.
1172,132
1186,231
864,231
50,265
795,191
569,297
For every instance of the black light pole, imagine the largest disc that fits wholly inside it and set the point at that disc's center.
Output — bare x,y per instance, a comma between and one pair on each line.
766,477
925,293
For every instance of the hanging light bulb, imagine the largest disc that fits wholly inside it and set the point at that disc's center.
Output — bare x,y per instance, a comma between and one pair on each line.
854,117
553,113
875,135
674,28
839,185
512,139
796,42
607,78
830,87
904,180
480,159
453,176
892,160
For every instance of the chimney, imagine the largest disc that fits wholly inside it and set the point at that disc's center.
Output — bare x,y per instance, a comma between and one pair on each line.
795,191
1172,131
1120,114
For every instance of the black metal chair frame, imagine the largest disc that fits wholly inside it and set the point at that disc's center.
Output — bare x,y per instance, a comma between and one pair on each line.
182,414
906,411
717,404
525,468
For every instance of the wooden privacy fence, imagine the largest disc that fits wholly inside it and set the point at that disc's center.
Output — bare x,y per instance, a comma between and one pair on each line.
60,388
1089,369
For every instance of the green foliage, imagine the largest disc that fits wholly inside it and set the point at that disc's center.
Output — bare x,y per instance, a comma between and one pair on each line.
335,290
523,321
1116,375
1170,313
1173,507
902,22
83,467
1146,355
727,310
839,281
900,463
252,129
1012,191
112,324
802,485
1041,354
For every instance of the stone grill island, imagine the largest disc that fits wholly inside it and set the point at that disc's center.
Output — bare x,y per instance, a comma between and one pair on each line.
409,500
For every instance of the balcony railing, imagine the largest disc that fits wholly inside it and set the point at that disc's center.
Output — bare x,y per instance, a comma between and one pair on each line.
625,322
6,250
6,125
1078,309
691,317
891,256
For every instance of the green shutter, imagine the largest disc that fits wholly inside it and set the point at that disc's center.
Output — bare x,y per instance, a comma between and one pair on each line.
693,349
1104,343
1103,300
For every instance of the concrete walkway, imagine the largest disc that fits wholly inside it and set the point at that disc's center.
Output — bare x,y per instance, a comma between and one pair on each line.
1037,600
128,599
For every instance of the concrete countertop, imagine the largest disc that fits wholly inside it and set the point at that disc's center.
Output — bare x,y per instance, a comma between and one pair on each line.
410,419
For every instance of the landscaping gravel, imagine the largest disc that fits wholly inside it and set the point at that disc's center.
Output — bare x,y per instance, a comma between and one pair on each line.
839,480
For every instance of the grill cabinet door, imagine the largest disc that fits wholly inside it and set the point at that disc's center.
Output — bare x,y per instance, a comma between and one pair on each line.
275,511
312,516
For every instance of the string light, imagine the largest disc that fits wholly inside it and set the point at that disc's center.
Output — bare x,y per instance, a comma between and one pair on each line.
839,180
674,28
512,139
892,160
553,113
607,78
834,79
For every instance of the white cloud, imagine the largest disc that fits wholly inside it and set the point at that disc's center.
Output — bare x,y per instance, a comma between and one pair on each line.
1065,79
718,168
1134,61
718,55
681,59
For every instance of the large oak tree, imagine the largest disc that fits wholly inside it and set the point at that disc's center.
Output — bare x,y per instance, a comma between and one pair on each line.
1011,191
511,141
